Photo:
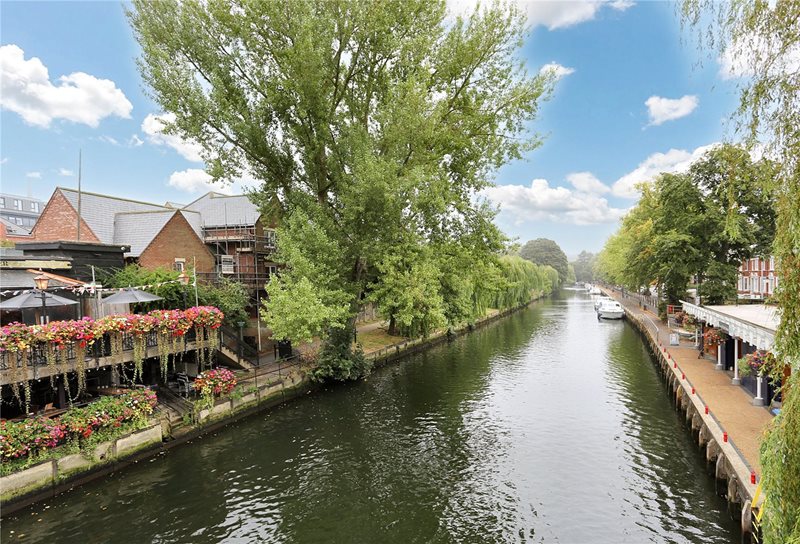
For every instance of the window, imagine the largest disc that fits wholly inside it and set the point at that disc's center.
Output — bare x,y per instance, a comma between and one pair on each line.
272,270
179,265
772,263
34,206
18,221
2,202
17,204
766,286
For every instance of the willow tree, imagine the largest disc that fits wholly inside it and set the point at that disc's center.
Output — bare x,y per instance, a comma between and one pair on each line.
760,41
368,124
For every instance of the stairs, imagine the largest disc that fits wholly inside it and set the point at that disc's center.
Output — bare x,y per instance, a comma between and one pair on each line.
172,410
231,358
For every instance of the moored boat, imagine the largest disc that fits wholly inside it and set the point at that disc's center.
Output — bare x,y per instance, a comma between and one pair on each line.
610,310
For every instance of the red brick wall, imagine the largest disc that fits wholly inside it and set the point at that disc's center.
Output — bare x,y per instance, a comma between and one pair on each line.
177,240
59,222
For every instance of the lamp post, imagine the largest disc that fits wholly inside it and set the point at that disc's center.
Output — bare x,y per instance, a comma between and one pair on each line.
41,281
241,339
184,279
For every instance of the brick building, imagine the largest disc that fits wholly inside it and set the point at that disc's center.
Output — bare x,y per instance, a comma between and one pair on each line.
158,236
757,278
241,240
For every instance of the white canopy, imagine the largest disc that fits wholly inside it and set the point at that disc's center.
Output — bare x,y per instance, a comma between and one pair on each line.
754,323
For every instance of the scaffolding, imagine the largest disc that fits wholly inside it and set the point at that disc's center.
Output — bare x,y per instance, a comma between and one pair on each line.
242,254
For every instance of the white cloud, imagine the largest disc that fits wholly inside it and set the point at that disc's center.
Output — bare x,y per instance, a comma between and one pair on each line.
674,160
662,109
550,13
621,5
65,172
4,160
135,141
33,175
108,140
741,57
153,127
26,89
196,180
586,182
541,202
556,69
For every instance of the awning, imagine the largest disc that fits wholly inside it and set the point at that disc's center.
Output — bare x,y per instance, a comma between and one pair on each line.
753,323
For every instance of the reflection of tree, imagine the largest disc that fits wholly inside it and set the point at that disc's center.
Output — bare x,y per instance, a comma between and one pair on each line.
668,469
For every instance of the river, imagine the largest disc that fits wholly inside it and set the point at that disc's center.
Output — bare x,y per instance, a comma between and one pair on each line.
547,426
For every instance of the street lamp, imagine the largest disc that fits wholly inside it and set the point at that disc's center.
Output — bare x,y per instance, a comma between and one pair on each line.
184,279
41,281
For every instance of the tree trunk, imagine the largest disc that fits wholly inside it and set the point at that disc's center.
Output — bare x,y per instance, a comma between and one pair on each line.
392,326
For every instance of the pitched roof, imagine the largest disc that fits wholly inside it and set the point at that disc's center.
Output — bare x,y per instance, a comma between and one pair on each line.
14,229
219,210
139,228
98,211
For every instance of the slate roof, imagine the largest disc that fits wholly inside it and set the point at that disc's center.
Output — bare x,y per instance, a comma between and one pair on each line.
217,210
98,211
139,228
14,229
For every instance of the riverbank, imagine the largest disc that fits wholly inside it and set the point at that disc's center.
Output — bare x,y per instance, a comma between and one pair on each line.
723,421
264,389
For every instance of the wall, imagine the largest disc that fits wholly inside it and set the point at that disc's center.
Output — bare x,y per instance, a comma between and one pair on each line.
177,240
47,475
59,222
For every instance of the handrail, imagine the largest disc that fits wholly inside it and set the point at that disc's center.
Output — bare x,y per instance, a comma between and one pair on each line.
230,339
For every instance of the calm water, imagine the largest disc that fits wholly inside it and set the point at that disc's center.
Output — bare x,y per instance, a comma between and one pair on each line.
545,427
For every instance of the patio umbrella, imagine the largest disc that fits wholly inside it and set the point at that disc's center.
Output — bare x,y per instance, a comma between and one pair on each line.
130,296
33,299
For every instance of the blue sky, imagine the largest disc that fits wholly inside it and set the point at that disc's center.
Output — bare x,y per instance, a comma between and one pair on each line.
631,101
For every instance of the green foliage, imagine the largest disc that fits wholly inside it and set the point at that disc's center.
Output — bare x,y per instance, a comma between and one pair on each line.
546,252
370,125
584,266
763,38
338,360
134,275
703,223
229,296
297,310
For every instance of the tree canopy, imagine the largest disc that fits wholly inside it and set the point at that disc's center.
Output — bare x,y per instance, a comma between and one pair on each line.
762,40
584,266
369,126
701,224
546,252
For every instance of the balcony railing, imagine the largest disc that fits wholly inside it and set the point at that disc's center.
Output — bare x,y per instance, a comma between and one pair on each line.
97,356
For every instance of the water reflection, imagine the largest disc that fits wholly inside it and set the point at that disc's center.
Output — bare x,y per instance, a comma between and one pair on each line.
548,426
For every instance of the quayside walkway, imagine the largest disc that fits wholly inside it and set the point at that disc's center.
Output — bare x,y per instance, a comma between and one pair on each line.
730,404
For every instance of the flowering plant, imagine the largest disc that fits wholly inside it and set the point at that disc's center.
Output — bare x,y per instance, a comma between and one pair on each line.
205,316
16,337
216,382
755,362
31,436
713,337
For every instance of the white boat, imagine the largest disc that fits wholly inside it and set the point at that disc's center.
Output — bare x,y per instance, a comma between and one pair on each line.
610,310
595,291
600,300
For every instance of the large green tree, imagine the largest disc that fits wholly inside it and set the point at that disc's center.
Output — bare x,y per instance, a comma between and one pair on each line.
762,39
543,251
369,125
584,266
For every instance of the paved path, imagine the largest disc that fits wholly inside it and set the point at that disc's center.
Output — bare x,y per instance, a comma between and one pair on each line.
730,404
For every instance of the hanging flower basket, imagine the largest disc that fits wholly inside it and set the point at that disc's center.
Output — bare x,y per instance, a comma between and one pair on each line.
756,363
714,337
